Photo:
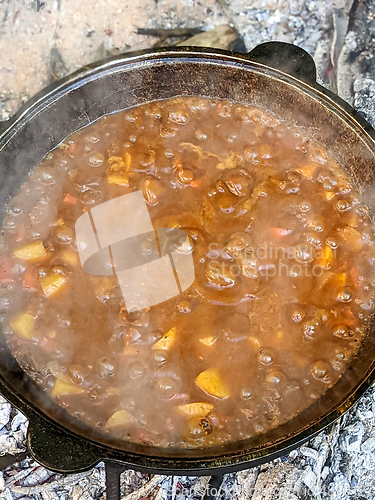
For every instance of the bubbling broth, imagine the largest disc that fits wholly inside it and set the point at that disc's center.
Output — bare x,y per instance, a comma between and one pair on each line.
283,290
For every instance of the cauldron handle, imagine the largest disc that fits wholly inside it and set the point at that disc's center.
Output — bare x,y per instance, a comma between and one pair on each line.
57,449
287,58
113,472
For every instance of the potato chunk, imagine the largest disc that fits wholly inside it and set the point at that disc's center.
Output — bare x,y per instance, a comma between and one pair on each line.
167,340
119,179
52,283
128,161
69,257
208,341
254,342
210,381
62,388
130,350
329,195
23,325
32,251
113,391
199,409
118,170
115,164
307,170
118,419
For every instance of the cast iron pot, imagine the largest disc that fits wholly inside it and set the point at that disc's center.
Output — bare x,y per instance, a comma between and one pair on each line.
277,76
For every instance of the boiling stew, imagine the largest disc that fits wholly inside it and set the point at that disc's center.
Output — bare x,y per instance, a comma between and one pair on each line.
284,285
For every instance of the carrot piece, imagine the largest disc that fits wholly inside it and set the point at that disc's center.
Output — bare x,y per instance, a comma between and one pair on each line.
349,317
327,257
197,183
70,200
340,279
6,275
48,345
178,164
353,273
20,233
279,232
345,317
29,280
169,423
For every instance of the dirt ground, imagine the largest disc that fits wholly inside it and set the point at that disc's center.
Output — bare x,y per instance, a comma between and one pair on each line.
42,41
